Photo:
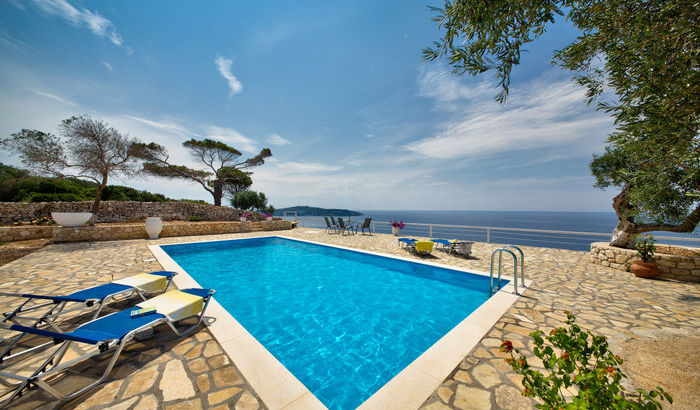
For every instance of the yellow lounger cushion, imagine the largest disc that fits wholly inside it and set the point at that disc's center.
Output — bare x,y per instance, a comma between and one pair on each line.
175,305
424,246
145,282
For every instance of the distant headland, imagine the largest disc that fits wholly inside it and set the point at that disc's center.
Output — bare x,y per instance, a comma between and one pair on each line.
314,211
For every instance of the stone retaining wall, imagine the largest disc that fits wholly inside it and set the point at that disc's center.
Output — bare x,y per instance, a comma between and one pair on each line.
121,211
24,233
675,262
135,231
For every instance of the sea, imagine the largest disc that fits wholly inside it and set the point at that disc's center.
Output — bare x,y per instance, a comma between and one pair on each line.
590,222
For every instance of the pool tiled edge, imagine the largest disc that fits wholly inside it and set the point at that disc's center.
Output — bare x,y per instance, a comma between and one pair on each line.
280,389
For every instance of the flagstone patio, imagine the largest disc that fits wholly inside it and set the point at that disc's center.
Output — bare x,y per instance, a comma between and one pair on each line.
654,325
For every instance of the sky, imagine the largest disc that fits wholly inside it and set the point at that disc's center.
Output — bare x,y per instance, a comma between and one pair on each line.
337,90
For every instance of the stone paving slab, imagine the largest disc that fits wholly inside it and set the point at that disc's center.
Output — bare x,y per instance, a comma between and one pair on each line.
193,372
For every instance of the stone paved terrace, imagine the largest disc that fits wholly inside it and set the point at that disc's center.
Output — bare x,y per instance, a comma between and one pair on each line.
654,325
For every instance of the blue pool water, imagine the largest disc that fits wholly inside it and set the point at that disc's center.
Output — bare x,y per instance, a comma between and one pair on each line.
343,322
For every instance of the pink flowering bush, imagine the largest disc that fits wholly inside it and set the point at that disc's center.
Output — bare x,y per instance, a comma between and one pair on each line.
398,224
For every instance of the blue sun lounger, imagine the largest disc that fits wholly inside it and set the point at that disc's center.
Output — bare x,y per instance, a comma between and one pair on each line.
140,284
422,248
108,334
407,241
455,247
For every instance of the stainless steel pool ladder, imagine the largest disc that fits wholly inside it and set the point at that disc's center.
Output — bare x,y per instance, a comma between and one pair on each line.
500,252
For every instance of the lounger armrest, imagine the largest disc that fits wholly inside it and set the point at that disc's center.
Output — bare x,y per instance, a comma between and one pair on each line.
167,273
203,293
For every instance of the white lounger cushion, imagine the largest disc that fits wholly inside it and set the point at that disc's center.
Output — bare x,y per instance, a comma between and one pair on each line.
145,282
175,305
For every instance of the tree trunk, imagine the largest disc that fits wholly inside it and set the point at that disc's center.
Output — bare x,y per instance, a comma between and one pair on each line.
96,204
218,191
624,234
626,230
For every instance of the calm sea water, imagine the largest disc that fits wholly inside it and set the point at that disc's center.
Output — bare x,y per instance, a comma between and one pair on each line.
343,322
598,222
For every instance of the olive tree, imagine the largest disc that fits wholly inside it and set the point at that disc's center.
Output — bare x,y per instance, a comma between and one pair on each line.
639,59
246,200
85,149
222,170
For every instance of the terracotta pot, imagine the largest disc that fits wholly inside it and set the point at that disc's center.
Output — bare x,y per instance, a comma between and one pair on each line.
646,270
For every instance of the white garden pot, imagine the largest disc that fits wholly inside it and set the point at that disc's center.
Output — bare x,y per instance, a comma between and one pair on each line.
153,226
71,218
243,219
269,218
395,230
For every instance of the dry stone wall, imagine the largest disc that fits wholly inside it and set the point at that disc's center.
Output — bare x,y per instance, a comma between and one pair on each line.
136,231
121,211
675,262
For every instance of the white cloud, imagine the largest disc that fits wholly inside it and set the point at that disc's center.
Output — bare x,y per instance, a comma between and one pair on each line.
18,4
306,167
164,126
108,65
54,97
541,114
81,18
445,87
276,139
232,137
13,43
369,136
224,67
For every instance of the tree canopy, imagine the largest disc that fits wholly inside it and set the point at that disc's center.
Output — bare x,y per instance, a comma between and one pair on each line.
639,60
86,149
252,200
222,171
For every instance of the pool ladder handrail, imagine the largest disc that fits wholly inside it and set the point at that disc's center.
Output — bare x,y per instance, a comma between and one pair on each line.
500,251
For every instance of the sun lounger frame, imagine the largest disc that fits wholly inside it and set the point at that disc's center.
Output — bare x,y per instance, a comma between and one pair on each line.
48,317
115,346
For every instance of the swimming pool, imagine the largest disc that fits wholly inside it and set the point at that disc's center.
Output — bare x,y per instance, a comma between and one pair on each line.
343,322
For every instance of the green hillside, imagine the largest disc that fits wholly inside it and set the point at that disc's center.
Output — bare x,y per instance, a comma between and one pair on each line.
17,185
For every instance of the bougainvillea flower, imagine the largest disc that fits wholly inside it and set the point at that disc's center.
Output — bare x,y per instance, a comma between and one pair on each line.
507,346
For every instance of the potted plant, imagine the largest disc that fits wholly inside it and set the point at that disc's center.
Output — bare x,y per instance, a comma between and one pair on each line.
645,268
268,217
245,216
396,227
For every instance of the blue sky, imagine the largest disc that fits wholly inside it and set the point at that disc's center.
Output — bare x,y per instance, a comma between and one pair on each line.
337,90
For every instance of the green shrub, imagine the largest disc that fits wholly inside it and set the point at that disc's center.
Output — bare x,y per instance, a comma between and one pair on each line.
62,197
123,193
196,218
584,363
191,201
16,185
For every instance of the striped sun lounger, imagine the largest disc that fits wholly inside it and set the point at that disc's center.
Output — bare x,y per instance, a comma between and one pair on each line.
47,308
108,334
